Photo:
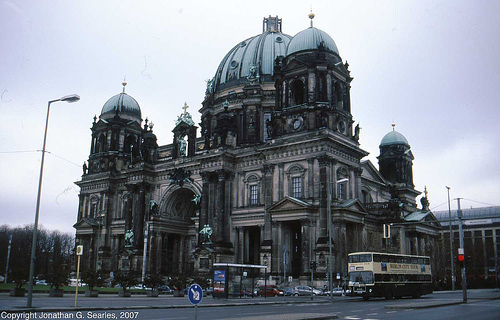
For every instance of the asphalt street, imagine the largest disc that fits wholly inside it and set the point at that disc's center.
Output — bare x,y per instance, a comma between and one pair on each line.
482,304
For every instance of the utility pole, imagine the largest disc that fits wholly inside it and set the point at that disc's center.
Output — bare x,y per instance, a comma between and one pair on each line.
461,231
453,280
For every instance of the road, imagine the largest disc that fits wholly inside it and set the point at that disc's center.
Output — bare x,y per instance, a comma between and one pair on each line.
361,310
481,306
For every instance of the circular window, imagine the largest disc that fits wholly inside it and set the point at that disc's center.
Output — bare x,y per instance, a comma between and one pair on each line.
297,123
234,64
279,39
242,44
341,126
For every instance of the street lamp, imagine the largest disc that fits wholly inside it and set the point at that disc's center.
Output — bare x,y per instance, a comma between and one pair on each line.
70,98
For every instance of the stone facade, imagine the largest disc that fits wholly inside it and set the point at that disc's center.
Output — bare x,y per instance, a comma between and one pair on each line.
278,153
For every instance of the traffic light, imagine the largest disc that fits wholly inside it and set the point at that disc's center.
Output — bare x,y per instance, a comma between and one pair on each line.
461,260
312,265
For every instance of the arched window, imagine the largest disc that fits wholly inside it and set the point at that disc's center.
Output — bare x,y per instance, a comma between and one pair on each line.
296,175
342,183
297,88
252,183
94,207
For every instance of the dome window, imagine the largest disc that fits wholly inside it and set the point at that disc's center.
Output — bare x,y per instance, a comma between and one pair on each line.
279,39
242,44
234,64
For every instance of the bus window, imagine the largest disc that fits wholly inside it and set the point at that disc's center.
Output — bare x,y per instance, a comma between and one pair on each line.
420,260
414,260
376,258
360,258
365,258
407,260
392,259
427,261
361,276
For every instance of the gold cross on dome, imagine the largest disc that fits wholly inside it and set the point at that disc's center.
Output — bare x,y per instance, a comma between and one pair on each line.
185,107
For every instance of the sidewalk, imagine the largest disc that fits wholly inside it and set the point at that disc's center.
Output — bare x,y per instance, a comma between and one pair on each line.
42,302
448,298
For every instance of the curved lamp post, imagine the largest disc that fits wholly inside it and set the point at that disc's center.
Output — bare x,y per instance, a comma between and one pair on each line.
70,98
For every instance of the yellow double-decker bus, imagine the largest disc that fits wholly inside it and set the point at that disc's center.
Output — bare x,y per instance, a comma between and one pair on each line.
374,274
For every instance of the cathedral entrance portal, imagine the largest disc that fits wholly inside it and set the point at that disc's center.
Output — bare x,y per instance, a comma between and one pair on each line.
175,231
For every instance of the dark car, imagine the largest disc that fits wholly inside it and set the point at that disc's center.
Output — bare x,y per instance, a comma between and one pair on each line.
165,289
269,291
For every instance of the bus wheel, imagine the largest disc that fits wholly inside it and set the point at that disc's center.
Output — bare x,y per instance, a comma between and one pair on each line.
389,294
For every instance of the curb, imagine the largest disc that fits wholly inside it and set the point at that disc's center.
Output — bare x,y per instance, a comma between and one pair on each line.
218,305
428,306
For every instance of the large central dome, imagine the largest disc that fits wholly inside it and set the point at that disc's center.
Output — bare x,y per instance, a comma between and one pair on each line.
253,57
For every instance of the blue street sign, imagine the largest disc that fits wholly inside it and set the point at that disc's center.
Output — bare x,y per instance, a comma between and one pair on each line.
195,294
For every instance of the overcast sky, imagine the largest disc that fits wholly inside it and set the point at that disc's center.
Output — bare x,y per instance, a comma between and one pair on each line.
432,67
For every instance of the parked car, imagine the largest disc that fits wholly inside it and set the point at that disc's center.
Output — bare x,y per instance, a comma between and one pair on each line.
164,289
288,291
42,282
269,291
208,291
305,291
338,291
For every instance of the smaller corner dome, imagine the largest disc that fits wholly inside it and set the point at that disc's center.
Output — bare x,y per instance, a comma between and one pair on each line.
123,105
311,39
394,138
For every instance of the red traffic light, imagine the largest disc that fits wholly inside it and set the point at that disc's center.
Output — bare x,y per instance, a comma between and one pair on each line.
461,257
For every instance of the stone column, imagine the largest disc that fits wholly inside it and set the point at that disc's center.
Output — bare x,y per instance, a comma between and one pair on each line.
220,207
310,178
329,88
268,200
204,203
281,181
306,239
324,175
228,182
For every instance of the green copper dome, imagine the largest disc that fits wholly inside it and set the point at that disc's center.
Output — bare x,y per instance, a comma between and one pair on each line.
253,57
394,138
311,39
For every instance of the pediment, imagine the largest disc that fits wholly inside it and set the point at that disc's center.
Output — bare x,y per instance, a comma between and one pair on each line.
85,223
424,217
371,173
290,204
353,205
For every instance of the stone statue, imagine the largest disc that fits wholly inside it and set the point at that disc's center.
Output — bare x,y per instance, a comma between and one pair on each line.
182,147
269,128
356,132
206,233
84,168
210,86
196,199
129,238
